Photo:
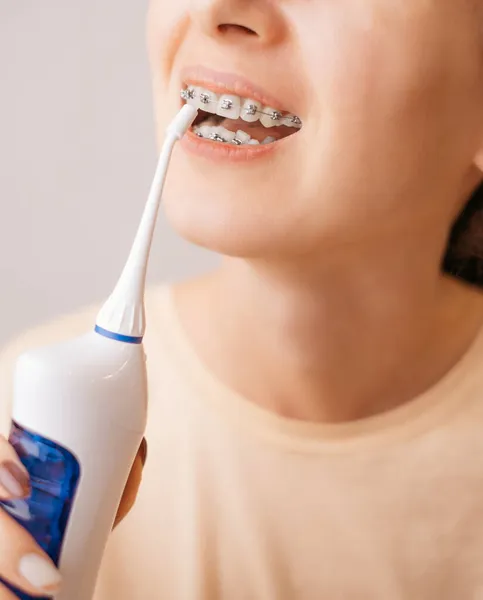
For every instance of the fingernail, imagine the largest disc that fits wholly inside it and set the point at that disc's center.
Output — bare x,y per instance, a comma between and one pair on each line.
39,572
144,451
14,480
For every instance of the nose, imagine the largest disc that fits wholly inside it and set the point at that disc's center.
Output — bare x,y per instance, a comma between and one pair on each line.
251,22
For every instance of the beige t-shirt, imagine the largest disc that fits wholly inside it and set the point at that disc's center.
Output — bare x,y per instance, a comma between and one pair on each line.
240,504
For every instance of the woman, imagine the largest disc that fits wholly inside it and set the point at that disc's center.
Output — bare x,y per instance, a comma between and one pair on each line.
316,403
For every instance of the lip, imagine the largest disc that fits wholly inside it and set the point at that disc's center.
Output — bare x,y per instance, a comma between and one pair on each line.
227,152
230,83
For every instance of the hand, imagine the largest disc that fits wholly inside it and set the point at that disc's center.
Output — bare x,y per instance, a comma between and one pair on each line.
132,486
22,562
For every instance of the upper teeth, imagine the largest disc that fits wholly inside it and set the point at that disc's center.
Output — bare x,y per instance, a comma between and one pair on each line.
187,94
234,107
226,104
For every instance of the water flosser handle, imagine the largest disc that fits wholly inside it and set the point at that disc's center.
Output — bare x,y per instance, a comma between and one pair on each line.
80,413
73,504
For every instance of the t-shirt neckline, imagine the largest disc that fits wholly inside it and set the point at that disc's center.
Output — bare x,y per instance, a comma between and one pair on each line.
435,405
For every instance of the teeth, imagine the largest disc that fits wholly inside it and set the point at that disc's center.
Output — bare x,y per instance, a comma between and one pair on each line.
216,137
201,99
195,99
292,121
253,142
269,139
228,106
270,117
218,133
242,136
233,107
188,94
205,130
226,134
208,101
193,96
250,110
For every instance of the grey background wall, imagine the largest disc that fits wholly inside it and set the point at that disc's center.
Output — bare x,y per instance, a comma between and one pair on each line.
76,157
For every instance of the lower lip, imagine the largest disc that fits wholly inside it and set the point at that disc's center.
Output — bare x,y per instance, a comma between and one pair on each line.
220,151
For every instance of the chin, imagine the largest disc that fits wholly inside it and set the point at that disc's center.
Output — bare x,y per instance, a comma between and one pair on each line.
248,213
218,229
237,231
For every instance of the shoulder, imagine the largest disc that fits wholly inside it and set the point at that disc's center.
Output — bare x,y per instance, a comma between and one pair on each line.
56,331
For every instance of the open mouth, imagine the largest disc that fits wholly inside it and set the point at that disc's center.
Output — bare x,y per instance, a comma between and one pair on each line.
232,119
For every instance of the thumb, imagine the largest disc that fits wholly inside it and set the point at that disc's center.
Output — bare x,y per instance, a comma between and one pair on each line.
132,487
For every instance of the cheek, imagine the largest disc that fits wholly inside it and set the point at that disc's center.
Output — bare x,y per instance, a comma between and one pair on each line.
379,86
378,114
354,71
165,28
375,55
155,32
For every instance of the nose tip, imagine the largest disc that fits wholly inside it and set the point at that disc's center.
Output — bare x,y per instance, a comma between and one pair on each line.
242,21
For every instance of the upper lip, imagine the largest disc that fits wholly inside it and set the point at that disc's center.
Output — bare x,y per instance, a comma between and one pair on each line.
229,83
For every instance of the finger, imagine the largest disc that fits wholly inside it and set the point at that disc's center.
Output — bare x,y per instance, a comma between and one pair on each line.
132,486
130,491
143,451
5,594
14,478
22,563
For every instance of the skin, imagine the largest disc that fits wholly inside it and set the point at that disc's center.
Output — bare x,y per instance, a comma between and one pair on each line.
332,245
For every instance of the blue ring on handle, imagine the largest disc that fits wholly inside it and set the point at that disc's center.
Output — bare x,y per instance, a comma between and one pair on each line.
127,339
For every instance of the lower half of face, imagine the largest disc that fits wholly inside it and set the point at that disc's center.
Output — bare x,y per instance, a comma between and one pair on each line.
385,98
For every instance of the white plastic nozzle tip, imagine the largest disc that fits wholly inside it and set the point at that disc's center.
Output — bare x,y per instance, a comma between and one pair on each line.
183,121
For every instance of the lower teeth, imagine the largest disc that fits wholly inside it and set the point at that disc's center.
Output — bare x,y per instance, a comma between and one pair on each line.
216,133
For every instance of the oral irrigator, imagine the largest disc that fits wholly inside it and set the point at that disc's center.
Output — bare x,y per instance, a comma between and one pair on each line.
79,416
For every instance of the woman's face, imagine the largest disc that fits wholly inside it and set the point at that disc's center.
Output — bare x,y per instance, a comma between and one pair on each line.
390,94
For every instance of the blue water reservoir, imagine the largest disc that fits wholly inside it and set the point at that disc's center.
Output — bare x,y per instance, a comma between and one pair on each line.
55,474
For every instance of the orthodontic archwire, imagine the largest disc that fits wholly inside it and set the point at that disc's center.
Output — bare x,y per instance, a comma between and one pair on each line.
190,94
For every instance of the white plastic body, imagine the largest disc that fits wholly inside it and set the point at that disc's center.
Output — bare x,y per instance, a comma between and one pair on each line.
90,396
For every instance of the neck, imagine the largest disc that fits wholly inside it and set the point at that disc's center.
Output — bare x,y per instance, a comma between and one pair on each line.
344,339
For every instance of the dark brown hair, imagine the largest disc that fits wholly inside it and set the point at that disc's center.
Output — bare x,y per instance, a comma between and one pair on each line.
464,255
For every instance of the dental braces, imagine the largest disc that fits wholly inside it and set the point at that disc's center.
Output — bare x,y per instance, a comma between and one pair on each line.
216,137
227,104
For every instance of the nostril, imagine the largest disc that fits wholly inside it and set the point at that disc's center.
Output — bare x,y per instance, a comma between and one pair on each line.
227,28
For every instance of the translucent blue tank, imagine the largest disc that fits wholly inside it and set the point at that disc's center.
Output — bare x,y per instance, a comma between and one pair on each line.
55,474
